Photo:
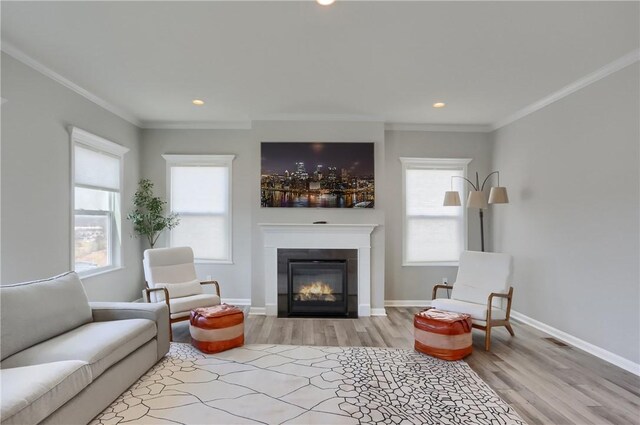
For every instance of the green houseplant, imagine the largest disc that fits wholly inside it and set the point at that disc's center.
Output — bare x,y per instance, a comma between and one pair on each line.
148,216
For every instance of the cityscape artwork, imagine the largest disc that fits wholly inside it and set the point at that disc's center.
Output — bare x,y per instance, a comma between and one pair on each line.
317,175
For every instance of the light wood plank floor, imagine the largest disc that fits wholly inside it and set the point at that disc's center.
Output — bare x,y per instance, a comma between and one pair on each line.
546,381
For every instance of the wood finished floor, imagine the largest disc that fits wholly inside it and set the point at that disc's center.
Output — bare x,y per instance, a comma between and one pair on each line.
546,381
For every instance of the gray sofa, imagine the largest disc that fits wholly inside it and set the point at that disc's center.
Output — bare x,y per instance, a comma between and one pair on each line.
64,359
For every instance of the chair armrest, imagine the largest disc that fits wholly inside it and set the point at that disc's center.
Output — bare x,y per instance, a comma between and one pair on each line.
147,291
493,295
212,282
156,312
435,290
508,296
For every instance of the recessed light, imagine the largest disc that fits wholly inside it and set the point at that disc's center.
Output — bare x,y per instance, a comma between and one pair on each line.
197,102
439,105
325,2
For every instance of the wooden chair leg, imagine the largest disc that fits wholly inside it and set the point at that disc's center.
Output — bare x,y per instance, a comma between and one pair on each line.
510,329
170,331
487,338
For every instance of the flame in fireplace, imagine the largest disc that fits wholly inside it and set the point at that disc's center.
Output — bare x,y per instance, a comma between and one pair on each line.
315,291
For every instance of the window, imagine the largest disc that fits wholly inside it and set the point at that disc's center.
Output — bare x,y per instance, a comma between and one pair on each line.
433,234
200,192
97,183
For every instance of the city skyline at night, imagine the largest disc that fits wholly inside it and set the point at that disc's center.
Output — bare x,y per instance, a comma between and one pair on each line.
317,175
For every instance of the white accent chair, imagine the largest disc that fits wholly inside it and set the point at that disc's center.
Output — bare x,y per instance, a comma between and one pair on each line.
170,276
483,280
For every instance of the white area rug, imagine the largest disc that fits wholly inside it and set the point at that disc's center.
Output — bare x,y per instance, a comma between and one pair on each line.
284,384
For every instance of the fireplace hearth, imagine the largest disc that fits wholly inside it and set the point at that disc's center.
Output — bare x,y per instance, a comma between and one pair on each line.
317,283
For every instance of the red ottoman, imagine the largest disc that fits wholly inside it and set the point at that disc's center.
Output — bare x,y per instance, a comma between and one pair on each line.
218,328
443,334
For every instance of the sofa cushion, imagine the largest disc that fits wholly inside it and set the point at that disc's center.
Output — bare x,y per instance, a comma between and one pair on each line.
181,307
476,311
31,393
33,312
178,290
100,344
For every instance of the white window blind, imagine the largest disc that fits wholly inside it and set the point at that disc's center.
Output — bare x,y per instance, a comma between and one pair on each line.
96,169
433,234
97,165
200,192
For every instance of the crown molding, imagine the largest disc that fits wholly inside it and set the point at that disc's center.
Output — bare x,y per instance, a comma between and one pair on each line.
197,125
319,117
461,128
617,65
620,63
19,55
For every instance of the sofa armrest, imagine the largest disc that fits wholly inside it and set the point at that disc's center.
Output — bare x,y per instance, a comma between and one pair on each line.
157,312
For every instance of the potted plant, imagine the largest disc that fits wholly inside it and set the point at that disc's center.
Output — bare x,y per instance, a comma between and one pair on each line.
148,217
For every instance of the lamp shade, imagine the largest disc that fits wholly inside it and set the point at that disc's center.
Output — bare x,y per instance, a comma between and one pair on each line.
451,199
476,199
498,195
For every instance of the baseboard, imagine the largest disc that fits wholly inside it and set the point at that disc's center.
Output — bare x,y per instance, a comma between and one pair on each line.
258,311
237,301
599,352
407,303
378,312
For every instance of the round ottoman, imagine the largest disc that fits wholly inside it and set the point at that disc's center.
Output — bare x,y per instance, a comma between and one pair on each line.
217,328
443,334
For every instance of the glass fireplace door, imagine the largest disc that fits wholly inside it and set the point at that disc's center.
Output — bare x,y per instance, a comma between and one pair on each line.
318,287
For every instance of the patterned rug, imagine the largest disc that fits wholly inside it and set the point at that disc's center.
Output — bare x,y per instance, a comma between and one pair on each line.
285,384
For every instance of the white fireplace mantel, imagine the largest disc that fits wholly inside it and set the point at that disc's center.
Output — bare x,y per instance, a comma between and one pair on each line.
316,236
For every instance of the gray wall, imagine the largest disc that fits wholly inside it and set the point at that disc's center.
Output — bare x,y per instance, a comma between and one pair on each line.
572,223
36,181
416,282
325,132
235,279
245,277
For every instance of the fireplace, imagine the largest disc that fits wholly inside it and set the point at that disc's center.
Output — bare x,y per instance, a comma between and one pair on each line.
318,283
317,287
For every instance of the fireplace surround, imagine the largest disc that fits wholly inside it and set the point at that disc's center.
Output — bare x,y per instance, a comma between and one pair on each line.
276,236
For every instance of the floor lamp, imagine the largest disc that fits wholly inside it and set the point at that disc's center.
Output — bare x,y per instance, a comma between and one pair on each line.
476,199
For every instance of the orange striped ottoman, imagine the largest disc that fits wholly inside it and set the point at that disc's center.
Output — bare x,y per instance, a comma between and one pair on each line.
443,334
218,328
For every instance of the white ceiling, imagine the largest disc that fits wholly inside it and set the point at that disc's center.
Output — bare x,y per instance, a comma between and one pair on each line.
385,61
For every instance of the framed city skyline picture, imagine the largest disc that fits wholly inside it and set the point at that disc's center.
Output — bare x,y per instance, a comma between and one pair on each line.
317,175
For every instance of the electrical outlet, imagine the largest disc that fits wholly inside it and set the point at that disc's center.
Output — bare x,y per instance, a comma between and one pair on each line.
445,280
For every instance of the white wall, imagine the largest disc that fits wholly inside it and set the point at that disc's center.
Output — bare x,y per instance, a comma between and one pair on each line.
36,181
416,282
573,222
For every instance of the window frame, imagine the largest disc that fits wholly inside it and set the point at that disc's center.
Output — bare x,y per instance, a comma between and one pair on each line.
204,160
93,142
432,164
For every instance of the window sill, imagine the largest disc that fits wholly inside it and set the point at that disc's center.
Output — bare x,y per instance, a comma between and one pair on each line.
432,264
91,273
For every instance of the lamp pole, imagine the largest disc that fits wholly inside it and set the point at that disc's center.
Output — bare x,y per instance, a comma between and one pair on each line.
477,199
